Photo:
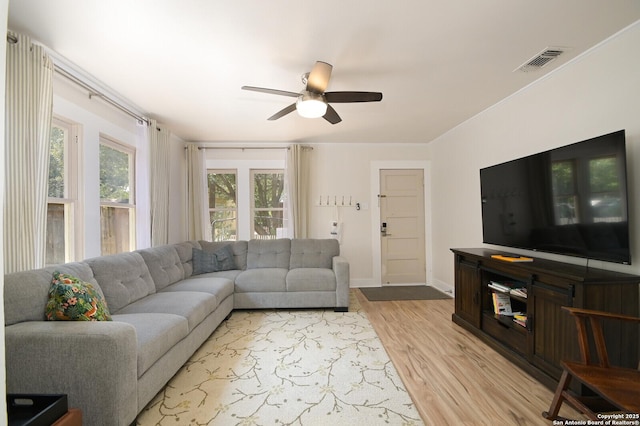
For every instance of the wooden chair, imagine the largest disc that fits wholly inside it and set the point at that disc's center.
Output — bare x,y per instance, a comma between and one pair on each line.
617,388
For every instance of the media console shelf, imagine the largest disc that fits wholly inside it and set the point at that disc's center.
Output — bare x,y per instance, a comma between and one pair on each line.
548,335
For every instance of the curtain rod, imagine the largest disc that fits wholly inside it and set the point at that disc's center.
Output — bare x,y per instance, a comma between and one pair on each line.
93,92
250,147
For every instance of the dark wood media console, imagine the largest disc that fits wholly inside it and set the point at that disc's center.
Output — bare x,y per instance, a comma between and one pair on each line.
549,335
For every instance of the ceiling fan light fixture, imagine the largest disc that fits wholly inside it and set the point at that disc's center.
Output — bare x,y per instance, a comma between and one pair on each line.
311,105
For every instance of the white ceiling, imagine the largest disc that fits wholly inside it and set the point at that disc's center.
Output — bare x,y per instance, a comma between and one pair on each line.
437,62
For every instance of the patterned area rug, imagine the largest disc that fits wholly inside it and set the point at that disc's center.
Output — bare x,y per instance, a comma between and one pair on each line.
296,367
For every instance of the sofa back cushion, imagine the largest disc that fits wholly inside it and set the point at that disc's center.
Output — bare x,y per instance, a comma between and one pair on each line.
269,253
164,265
124,278
313,253
239,249
26,293
185,254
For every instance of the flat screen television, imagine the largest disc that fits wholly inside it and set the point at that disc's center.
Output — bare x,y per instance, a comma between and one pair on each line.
570,200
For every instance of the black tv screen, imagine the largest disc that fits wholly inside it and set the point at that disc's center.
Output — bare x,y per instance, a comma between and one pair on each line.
570,200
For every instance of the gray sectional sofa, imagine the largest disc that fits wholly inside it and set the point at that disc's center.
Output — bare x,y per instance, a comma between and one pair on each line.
164,303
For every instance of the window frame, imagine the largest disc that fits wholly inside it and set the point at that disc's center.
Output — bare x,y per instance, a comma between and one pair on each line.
254,209
131,204
72,204
234,210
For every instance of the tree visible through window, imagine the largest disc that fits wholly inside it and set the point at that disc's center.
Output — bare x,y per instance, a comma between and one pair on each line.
268,203
117,207
223,209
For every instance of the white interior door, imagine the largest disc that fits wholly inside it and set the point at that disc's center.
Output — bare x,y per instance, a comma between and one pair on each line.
402,226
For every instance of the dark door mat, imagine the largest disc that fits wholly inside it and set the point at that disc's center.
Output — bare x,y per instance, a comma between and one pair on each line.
409,292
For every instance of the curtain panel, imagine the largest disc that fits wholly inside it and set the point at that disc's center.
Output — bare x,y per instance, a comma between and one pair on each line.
29,108
297,176
197,197
159,183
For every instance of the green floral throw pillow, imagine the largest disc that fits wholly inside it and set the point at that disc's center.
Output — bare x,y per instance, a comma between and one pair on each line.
71,299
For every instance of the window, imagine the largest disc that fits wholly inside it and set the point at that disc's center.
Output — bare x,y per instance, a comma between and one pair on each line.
62,199
267,209
223,207
117,202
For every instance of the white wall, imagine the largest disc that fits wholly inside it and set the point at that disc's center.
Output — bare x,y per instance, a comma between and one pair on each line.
338,170
596,94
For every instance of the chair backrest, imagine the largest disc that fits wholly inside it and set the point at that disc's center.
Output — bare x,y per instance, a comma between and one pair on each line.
595,319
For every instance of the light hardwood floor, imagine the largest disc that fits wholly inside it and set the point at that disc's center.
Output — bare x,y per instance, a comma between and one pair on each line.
452,377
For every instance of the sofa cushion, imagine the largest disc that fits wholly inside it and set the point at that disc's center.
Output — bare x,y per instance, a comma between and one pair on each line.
230,275
164,265
311,279
261,280
185,254
269,253
192,305
313,253
26,293
156,334
239,249
124,278
221,288
71,299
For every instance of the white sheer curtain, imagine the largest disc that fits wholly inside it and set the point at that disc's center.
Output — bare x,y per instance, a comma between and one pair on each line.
197,195
159,183
29,101
297,177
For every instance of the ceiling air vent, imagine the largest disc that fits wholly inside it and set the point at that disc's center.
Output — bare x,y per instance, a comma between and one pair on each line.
541,59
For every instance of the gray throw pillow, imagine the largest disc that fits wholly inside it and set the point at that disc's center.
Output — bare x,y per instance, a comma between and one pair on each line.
220,260
225,259
203,262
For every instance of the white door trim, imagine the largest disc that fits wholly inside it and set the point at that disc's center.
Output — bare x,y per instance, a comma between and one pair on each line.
376,250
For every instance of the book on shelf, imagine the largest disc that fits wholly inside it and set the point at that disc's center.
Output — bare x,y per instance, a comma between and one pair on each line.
501,303
509,258
520,319
515,288
519,291
502,288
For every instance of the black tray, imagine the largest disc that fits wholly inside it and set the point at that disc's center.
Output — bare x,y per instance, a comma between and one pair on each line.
35,410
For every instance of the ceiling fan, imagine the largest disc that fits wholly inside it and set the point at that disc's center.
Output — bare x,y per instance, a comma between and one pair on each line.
313,102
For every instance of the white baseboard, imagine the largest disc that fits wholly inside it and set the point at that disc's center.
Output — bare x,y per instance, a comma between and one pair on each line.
363,282
444,287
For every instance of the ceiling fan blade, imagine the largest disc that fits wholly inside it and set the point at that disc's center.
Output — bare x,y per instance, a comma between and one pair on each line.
271,91
319,77
331,115
346,97
283,112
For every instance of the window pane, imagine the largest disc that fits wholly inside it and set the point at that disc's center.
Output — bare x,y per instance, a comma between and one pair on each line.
223,225
56,162
115,229
222,190
268,189
266,223
114,175
222,204
56,250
